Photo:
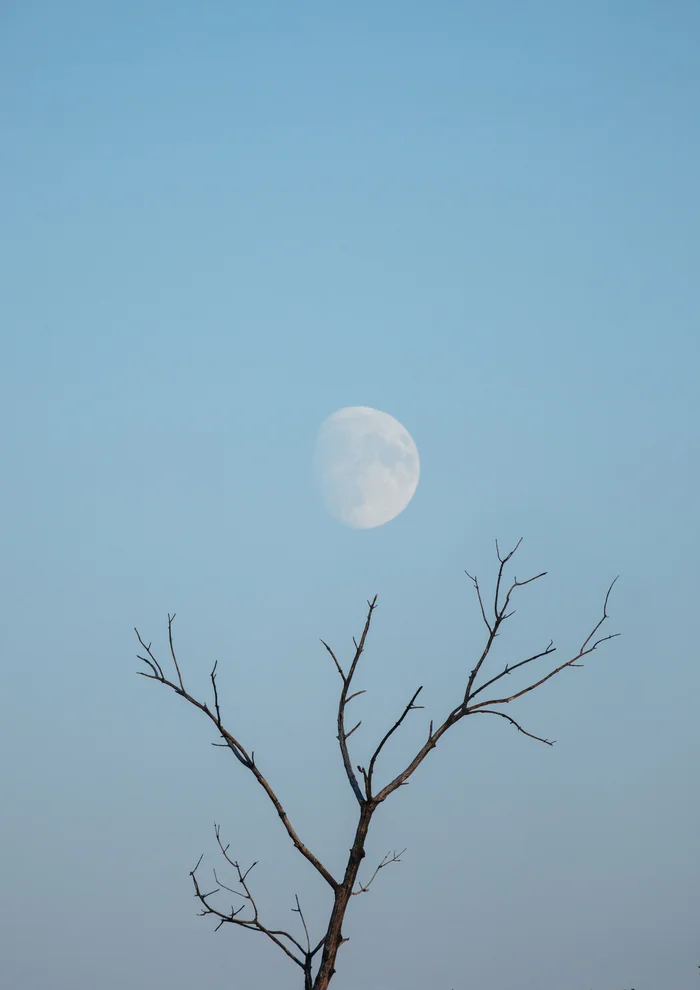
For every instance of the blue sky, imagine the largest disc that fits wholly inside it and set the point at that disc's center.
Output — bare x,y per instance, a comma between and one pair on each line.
222,222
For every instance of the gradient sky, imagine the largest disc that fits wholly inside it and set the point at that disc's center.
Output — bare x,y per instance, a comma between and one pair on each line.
221,222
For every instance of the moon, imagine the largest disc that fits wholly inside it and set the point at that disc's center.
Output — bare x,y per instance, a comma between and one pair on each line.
367,466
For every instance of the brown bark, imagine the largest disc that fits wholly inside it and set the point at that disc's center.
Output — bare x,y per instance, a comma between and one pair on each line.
334,937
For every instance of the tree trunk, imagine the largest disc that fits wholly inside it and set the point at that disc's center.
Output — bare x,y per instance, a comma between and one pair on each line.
334,937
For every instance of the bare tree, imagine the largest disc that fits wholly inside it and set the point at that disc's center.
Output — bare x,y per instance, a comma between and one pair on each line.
320,955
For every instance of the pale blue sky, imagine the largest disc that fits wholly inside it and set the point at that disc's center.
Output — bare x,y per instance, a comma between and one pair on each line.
221,222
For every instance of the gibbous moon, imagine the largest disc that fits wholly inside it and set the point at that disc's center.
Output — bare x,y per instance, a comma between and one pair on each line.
367,465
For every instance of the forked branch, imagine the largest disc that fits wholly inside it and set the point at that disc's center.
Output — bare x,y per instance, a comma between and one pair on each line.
502,611
247,915
467,706
242,755
411,706
477,683
391,857
346,698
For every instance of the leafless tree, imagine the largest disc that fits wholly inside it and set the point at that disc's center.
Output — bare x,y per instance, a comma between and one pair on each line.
317,957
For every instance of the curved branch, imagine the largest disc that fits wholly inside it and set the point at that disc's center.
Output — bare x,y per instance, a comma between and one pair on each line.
486,711
345,698
231,917
409,707
500,612
238,750
584,651
171,619
391,857
464,709
432,741
297,910
509,668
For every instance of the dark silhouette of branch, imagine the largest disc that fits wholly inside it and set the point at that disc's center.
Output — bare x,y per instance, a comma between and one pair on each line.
246,915
411,706
297,910
234,915
465,708
391,857
487,711
345,698
247,760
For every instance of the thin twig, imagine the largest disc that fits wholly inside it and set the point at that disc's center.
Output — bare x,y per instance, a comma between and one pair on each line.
475,582
409,707
509,668
346,697
246,915
500,612
232,917
297,910
464,708
486,711
241,754
171,619
391,857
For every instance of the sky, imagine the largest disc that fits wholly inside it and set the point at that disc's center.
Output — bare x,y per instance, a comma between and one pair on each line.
221,222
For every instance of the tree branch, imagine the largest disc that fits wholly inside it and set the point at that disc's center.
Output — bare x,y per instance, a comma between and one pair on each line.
241,754
486,711
464,708
391,857
584,651
475,582
500,611
409,707
247,915
509,668
345,698
232,917
297,910
171,619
